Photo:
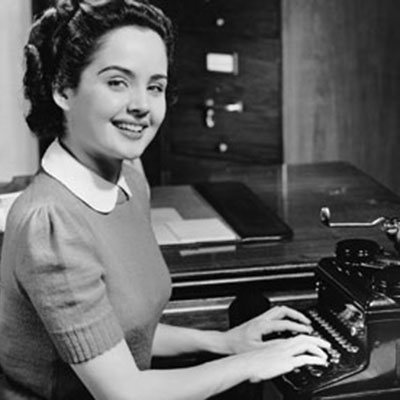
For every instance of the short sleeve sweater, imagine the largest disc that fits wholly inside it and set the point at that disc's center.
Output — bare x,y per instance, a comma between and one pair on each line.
75,282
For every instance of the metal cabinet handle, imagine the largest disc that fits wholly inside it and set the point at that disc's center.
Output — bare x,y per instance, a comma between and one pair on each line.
210,121
229,107
211,107
234,107
222,147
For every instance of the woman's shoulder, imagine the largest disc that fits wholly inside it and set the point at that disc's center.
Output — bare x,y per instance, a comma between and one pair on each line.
44,197
43,190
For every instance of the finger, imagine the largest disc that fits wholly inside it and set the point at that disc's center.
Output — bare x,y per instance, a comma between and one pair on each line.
273,343
306,348
302,360
286,325
316,351
281,312
309,340
300,328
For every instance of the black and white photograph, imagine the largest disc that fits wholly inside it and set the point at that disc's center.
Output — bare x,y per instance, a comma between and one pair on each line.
200,199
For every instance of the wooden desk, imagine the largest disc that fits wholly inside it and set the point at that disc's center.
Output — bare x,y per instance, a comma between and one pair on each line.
204,284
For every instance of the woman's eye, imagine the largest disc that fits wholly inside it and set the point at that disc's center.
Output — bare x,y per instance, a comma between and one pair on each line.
117,83
157,89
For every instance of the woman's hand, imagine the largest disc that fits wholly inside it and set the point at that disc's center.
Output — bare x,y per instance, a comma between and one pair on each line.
249,335
281,356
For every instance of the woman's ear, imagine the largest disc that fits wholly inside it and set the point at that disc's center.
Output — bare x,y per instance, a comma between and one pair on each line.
61,97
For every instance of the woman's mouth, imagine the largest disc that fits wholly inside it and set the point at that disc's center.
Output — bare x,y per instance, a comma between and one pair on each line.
133,131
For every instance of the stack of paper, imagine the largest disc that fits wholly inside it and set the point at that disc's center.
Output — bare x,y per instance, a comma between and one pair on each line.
170,228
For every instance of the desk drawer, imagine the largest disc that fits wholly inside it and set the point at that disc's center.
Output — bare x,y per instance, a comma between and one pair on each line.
212,313
209,313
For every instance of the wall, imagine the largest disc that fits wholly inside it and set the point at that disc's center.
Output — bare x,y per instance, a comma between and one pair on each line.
341,90
18,148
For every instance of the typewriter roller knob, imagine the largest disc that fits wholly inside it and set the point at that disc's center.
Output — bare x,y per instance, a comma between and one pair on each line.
357,250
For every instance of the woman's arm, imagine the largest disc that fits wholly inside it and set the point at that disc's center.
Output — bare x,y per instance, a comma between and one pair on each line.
115,376
172,340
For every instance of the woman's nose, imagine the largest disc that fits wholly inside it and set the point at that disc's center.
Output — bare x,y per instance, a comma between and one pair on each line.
138,102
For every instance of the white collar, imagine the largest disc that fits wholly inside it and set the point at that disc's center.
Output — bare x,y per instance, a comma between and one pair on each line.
91,188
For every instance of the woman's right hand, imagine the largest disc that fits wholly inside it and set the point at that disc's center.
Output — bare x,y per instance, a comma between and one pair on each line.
281,356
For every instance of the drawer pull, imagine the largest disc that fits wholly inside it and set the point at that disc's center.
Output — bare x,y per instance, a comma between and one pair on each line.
222,147
211,107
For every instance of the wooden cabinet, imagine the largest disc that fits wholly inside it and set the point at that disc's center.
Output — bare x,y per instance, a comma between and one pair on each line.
228,72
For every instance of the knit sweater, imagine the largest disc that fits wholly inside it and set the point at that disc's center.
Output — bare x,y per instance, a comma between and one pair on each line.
74,283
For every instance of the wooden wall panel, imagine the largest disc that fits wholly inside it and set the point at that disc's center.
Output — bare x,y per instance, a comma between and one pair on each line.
341,86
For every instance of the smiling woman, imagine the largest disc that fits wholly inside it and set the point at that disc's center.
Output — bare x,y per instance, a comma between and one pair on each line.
83,281
120,102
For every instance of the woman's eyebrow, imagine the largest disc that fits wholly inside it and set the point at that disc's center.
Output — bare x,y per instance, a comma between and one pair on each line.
159,76
128,72
125,71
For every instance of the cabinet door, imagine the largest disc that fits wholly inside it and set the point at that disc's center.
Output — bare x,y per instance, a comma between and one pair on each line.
228,71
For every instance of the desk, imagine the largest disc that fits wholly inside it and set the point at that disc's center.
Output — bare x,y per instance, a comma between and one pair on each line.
204,284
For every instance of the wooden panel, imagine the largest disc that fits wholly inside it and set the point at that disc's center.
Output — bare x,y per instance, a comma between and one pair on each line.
341,84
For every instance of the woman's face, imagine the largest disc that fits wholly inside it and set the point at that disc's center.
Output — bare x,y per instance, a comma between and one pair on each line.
120,102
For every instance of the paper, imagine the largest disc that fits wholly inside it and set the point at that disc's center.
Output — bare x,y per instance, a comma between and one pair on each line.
162,215
201,230
159,217
172,229
6,201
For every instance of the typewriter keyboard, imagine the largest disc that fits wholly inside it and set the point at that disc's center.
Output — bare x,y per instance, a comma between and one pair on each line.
345,356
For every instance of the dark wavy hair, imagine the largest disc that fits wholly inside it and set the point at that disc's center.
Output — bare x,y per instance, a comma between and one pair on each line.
62,42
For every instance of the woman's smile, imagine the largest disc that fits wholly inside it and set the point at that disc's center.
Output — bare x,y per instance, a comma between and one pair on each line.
131,130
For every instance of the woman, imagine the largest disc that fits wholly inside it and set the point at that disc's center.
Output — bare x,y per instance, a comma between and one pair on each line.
83,281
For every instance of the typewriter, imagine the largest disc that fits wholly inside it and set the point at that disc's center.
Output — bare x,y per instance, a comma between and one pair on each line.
358,312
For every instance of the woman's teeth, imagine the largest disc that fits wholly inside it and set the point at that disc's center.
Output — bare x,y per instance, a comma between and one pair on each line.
133,128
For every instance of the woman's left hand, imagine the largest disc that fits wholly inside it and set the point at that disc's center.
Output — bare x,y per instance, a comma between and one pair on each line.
249,335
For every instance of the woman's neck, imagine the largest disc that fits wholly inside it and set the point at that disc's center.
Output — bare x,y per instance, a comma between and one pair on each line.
109,170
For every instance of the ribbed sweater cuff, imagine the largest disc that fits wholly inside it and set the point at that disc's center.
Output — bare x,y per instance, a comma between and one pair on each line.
87,342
